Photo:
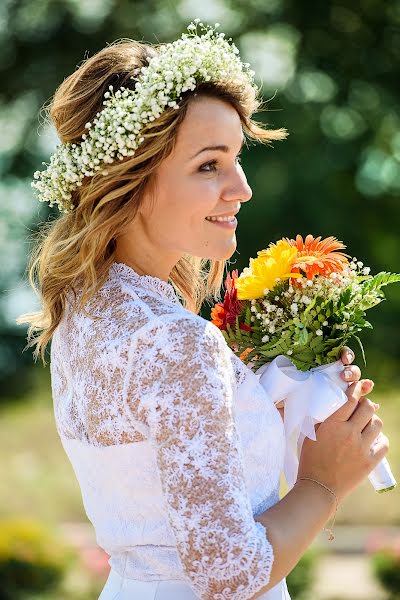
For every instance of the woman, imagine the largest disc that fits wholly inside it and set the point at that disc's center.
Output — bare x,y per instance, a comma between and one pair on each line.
176,446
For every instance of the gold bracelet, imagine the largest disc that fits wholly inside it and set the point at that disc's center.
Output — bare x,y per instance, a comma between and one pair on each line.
328,530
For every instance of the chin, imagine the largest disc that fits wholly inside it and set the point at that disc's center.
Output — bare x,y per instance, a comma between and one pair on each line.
221,255
216,251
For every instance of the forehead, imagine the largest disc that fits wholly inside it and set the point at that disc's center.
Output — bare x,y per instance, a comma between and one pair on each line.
209,121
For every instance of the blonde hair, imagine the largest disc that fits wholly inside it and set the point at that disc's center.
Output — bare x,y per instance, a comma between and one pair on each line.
79,247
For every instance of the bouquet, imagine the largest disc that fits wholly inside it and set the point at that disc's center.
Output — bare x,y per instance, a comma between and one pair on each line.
287,316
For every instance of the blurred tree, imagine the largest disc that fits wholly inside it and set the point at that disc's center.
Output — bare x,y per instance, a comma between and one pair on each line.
334,69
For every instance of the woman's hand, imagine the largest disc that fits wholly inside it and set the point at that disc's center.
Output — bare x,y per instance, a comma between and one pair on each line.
350,374
341,456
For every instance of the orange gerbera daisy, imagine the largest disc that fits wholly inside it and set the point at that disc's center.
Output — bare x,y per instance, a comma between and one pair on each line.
318,257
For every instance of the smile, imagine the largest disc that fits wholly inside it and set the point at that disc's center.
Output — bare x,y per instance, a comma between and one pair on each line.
225,222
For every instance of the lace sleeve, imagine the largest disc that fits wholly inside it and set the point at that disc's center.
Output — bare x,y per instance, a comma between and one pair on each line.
187,388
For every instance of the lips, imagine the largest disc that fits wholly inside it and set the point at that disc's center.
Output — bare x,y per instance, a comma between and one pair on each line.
224,215
231,217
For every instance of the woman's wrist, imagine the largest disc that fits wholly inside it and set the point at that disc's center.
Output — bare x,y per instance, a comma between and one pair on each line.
327,495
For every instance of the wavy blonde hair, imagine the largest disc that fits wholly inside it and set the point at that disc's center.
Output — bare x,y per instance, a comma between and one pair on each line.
79,247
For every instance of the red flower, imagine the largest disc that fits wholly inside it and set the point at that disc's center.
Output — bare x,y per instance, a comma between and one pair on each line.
227,311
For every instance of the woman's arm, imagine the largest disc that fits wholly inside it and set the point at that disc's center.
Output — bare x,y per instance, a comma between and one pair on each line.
186,385
293,524
340,458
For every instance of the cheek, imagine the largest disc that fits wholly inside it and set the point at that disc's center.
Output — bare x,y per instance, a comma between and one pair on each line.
184,203
205,199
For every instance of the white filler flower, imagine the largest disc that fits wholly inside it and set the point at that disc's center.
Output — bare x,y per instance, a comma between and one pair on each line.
116,130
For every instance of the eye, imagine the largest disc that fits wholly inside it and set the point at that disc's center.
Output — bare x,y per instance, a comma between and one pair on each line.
212,164
203,168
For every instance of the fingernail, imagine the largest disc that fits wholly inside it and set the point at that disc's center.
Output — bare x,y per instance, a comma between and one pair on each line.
377,406
349,357
348,373
367,385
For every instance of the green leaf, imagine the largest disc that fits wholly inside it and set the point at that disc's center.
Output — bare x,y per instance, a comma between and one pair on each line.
380,280
305,355
238,330
247,318
344,298
317,344
311,305
302,335
362,349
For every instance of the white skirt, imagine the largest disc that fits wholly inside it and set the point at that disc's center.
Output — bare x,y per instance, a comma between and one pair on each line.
122,588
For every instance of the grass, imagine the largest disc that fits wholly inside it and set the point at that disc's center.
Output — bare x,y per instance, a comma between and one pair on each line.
38,479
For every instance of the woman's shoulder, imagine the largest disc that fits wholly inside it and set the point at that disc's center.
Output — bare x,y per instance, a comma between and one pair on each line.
183,343
125,314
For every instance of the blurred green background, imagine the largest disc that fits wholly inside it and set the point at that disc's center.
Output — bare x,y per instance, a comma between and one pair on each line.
330,71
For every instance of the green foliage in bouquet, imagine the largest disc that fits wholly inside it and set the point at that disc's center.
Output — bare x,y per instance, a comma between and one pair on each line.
32,559
313,332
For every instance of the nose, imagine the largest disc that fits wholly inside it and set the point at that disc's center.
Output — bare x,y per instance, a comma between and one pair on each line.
237,189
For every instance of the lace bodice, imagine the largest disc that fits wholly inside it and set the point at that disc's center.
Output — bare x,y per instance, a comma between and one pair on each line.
175,444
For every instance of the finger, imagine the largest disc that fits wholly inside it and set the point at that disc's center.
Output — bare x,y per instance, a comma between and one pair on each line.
380,448
354,392
372,430
363,414
347,355
351,374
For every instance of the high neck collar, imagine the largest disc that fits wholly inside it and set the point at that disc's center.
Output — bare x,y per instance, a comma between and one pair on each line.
157,286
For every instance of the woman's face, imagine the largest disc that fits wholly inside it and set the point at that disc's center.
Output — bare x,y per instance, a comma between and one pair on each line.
201,177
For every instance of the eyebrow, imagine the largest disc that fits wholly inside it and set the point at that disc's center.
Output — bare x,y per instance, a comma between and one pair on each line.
221,147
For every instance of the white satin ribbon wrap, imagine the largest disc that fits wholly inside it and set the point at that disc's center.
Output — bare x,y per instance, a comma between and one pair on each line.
310,397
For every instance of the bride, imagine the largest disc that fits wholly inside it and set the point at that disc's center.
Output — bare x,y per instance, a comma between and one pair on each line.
177,448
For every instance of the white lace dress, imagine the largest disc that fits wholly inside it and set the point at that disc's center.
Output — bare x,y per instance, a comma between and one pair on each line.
175,444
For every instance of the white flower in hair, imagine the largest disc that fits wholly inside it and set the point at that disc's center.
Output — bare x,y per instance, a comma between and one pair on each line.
116,131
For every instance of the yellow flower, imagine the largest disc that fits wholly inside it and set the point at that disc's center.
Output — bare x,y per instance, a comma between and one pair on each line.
273,263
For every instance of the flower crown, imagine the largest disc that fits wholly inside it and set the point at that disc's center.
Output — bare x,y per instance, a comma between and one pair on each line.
116,131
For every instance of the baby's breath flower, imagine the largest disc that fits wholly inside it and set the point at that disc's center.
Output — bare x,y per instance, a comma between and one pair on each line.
116,130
